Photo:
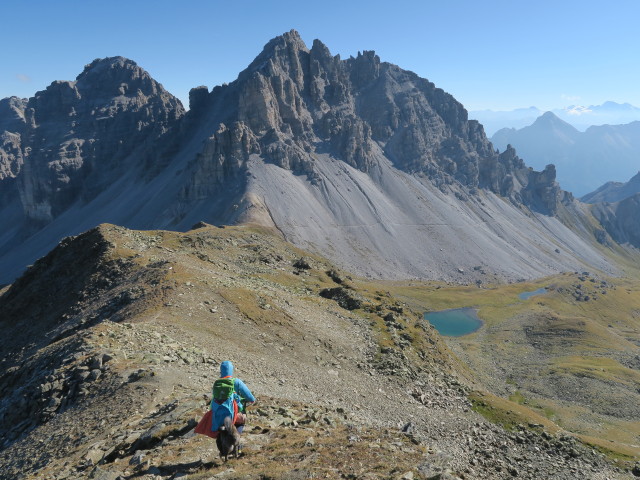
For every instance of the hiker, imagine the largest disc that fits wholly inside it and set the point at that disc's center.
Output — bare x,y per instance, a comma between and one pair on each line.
228,391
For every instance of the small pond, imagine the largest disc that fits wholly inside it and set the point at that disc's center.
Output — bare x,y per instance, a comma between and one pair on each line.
456,322
527,295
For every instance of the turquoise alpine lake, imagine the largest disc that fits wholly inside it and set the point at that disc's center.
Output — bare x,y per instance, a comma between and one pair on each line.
527,295
455,322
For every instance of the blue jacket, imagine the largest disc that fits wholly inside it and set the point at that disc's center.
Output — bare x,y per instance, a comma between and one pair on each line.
242,393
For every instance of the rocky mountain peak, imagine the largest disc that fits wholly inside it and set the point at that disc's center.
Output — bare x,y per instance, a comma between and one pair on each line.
284,52
117,76
293,107
547,116
69,138
100,65
100,81
365,68
319,49
288,41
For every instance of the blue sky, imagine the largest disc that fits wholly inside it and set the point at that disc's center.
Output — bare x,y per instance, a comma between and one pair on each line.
488,54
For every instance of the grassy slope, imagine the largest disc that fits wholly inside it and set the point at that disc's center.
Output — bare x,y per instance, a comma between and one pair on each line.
552,339
206,283
243,286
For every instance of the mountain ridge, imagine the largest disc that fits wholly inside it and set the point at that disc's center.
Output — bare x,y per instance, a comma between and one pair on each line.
108,367
579,116
320,120
583,159
111,339
614,191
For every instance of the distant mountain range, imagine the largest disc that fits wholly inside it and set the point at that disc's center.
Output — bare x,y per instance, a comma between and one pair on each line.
583,160
581,117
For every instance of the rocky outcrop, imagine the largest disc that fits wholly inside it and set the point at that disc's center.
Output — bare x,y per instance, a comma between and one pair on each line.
614,191
71,139
621,220
11,159
542,192
616,206
223,156
298,103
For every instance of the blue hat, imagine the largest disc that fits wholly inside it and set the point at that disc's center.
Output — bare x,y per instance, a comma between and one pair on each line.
226,369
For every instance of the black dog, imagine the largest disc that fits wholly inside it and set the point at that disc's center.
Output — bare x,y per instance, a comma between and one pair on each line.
228,439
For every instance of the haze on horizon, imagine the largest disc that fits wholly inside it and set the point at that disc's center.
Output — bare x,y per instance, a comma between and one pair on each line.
497,55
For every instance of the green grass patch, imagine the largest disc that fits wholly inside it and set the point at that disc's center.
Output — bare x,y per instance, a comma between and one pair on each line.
622,455
507,413
517,397
600,368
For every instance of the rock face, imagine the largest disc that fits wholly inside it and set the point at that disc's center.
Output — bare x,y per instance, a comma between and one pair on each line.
11,157
356,157
615,205
614,191
69,141
293,103
621,219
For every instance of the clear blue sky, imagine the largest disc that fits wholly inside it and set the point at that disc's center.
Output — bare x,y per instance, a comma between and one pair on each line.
500,54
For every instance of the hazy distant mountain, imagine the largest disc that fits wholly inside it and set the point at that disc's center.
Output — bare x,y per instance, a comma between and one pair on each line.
492,121
356,158
583,160
609,113
580,117
614,191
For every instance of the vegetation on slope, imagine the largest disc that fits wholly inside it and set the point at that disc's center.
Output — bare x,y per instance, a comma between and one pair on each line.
112,355
572,355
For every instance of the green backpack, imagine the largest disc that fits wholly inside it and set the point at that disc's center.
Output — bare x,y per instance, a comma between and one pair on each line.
223,389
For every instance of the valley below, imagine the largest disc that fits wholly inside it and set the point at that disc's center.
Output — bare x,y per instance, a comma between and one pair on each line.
570,354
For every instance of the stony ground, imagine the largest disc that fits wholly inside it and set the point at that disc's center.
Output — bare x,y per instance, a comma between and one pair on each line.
115,383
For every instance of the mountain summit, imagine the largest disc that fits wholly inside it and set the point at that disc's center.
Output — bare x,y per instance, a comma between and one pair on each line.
579,116
550,120
356,158
69,141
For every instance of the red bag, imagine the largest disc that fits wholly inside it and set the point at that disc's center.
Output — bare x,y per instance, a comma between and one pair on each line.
204,425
